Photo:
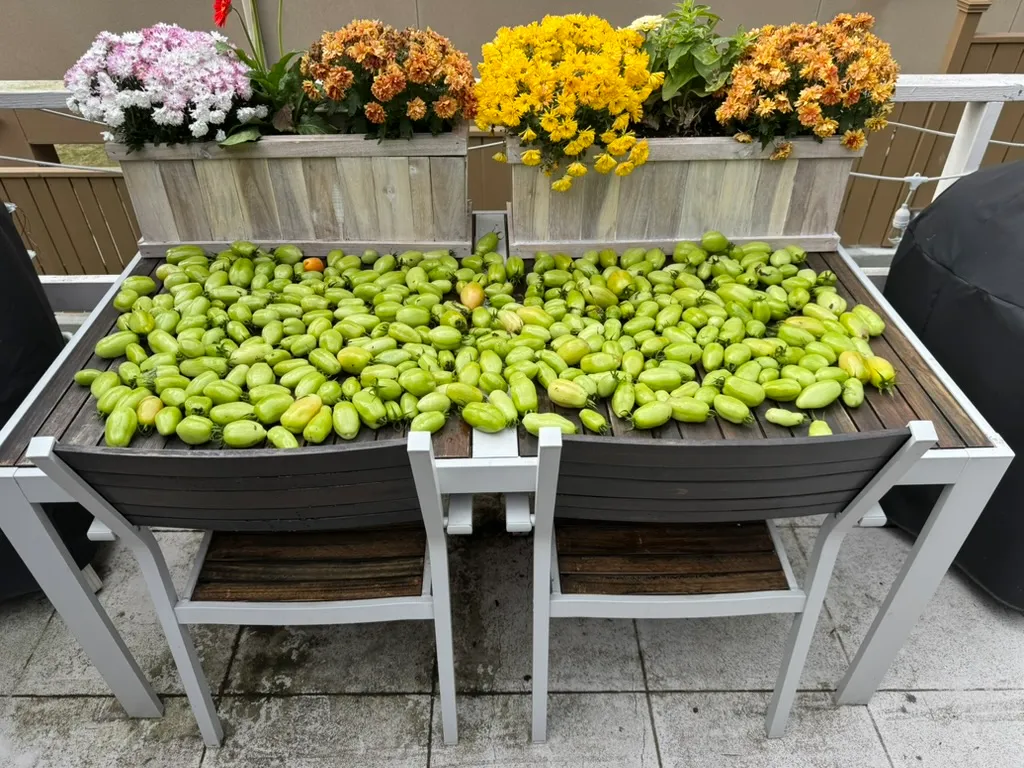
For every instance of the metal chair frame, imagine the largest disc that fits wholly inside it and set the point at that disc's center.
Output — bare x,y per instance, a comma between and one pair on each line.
805,603
176,612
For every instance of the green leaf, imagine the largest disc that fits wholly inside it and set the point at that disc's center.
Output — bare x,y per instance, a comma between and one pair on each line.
314,124
676,53
245,58
706,53
677,78
280,67
246,134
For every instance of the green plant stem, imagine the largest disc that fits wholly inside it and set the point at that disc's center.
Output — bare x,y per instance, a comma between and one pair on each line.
245,29
280,27
257,32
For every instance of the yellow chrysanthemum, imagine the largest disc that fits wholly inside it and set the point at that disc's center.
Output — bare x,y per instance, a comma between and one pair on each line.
573,148
624,169
586,138
621,145
499,157
608,137
743,138
639,154
875,123
528,135
826,128
531,157
620,123
576,169
563,184
604,163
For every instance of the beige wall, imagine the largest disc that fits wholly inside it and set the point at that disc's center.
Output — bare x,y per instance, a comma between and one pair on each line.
40,39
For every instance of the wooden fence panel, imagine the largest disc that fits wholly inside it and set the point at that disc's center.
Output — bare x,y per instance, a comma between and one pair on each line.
1006,59
110,261
75,221
31,226
860,192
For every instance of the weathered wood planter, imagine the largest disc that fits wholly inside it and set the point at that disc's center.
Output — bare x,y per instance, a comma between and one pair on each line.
686,187
315,191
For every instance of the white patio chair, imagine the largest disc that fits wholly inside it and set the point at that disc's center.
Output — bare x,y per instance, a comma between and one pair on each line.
339,534
649,529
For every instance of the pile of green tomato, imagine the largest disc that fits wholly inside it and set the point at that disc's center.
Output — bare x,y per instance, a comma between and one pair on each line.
250,347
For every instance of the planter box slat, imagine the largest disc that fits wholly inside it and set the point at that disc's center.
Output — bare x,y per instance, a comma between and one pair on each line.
310,189
453,143
687,187
321,248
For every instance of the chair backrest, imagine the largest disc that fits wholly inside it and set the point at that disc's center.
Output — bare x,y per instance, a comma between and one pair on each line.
658,481
317,488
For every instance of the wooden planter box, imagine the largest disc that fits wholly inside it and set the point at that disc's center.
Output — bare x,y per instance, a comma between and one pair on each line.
317,192
687,186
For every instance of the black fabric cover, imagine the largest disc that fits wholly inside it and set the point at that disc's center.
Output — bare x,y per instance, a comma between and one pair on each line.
30,340
958,281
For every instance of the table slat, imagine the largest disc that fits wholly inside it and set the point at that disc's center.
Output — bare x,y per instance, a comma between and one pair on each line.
13,450
911,368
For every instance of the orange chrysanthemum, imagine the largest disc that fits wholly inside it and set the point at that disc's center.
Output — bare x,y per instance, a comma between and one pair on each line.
830,74
417,109
337,83
854,140
445,107
375,113
784,150
372,64
388,84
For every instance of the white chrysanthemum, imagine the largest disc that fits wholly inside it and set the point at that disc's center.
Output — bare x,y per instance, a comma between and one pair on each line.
114,117
646,23
199,129
108,136
221,135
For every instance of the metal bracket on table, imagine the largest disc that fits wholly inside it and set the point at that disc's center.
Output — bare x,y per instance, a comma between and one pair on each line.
99,532
460,514
875,518
517,513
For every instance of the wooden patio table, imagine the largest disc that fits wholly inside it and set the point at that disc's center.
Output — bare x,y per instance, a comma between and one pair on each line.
969,461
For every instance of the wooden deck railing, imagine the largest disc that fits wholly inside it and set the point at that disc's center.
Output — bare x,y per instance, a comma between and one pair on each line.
78,222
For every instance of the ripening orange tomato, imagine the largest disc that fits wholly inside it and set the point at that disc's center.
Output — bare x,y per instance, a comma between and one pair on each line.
312,264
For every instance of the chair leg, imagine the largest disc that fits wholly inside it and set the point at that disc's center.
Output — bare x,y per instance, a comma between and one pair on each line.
445,654
819,572
161,588
541,635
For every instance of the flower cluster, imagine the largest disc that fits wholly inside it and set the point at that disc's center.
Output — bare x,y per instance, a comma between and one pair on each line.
398,82
163,84
571,87
812,79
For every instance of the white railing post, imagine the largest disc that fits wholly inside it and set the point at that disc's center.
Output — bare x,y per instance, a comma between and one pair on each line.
971,141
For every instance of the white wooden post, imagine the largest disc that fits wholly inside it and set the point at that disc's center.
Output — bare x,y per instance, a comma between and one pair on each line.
971,141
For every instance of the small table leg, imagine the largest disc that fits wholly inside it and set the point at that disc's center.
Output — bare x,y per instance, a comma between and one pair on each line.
951,520
32,534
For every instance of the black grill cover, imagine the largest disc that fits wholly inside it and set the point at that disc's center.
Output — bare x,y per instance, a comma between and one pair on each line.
30,339
958,281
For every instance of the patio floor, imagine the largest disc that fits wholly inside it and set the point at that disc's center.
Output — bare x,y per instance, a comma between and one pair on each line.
672,693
